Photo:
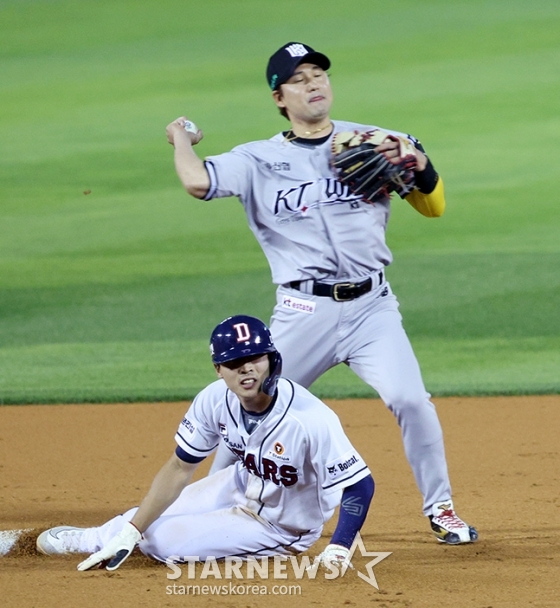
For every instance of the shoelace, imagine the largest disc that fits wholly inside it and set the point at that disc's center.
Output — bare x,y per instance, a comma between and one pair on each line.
450,520
70,539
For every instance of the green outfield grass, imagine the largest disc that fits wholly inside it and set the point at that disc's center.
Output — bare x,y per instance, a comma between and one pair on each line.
111,277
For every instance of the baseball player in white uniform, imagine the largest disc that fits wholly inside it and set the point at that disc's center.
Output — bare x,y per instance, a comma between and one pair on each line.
293,466
327,252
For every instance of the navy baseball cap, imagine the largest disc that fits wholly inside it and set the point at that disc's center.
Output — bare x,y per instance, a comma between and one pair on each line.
284,62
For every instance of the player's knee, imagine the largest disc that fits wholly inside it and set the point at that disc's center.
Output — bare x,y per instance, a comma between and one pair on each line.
411,406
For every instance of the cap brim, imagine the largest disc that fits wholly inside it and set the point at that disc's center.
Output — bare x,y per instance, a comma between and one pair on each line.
318,59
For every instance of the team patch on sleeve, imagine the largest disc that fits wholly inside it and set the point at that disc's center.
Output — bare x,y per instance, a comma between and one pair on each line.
298,304
347,464
188,426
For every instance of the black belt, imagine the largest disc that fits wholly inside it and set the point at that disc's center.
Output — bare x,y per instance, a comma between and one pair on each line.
341,292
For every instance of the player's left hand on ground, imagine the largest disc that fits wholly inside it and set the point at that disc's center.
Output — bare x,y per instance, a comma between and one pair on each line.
374,163
116,550
336,555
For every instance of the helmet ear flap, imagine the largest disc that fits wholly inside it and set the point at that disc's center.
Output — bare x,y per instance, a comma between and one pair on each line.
270,383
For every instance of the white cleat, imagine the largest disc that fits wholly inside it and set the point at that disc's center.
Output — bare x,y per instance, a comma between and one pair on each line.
448,527
60,540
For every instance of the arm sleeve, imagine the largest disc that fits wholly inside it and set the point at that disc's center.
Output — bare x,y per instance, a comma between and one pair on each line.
337,462
230,174
429,205
428,197
196,435
353,511
186,457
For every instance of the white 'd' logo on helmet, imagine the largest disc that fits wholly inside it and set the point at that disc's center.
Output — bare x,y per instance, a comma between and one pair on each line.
243,332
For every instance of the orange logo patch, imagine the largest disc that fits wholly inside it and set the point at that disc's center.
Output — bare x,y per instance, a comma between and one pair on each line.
278,448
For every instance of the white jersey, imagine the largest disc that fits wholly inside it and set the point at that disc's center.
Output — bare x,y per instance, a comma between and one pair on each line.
308,224
293,468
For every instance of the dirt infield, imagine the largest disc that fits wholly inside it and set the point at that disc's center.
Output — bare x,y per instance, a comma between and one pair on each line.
82,464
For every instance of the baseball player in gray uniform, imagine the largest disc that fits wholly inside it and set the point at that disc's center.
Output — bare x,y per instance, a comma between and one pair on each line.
293,466
327,253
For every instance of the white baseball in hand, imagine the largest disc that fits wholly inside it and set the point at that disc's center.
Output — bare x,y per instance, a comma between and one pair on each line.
190,127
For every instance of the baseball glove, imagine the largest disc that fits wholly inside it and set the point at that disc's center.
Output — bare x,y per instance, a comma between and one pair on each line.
373,175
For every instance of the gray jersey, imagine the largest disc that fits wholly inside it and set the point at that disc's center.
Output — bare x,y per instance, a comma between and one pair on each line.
308,224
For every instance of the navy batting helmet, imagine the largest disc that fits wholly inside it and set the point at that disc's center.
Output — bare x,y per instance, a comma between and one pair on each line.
243,336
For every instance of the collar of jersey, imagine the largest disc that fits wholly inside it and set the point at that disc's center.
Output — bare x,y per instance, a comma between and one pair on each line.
261,414
305,141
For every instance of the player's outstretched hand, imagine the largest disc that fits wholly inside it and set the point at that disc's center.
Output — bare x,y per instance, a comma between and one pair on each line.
116,550
336,555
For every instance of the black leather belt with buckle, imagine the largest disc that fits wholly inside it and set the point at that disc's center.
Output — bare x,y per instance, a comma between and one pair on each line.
341,292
